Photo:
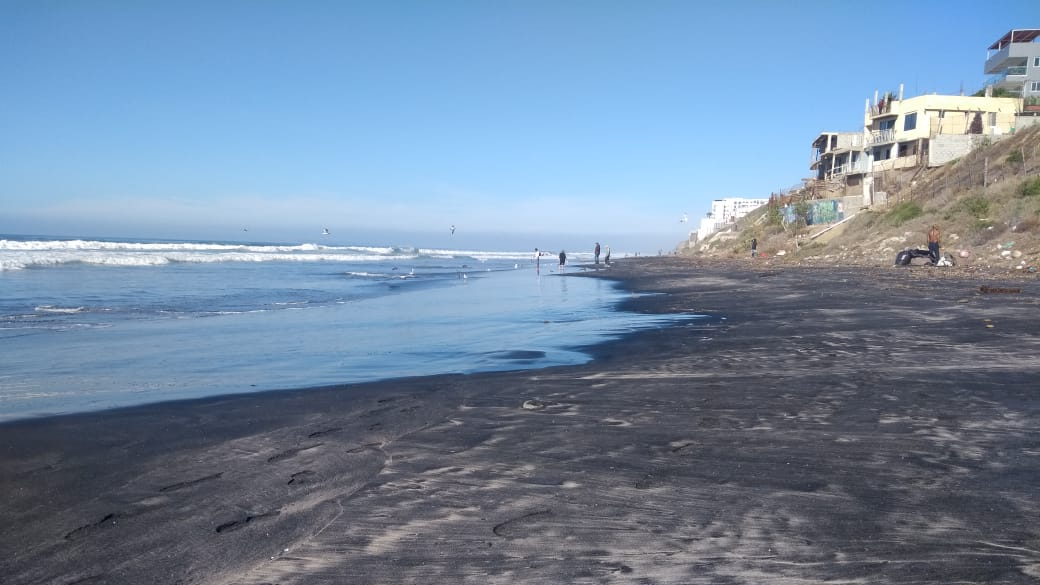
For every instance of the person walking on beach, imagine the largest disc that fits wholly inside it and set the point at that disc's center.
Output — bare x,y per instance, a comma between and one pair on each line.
933,244
596,252
754,247
563,259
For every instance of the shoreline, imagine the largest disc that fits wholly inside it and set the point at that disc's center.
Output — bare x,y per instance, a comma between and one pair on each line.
822,423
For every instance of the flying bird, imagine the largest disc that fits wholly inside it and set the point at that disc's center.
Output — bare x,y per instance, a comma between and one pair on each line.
324,231
453,229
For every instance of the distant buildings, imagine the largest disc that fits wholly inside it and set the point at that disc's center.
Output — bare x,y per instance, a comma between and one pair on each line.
725,212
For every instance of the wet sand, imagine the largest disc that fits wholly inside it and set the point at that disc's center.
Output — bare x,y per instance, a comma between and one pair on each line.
844,425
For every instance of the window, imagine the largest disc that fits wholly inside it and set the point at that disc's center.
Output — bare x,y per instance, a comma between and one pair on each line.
888,124
1034,86
910,121
1036,61
992,119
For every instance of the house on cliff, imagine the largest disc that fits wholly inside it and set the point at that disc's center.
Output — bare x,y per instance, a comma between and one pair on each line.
838,164
898,133
1013,62
931,130
928,130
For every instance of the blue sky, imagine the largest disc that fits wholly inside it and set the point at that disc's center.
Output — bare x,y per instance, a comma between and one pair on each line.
534,123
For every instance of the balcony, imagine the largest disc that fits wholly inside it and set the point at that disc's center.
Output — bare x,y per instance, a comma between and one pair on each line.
998,60
881,109
1010,76
855,168
1014,48
881,136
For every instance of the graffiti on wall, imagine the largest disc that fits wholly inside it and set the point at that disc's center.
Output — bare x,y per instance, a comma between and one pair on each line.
819,212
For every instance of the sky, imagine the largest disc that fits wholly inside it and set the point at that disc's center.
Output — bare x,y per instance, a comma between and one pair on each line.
523,123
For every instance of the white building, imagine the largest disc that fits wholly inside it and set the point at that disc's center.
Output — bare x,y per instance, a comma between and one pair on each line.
725,212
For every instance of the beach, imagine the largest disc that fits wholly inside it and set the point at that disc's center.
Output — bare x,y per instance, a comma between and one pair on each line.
869,425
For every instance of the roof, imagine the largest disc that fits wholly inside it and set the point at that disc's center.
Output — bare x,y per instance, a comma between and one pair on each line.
1021,35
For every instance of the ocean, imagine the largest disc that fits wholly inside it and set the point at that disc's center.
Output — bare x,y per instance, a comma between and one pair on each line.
95,323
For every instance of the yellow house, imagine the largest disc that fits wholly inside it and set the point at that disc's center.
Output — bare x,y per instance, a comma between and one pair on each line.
932,129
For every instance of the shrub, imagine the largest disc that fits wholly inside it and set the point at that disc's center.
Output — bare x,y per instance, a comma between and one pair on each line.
976,206
1030,187
774,216
802,211
1014,157
904,212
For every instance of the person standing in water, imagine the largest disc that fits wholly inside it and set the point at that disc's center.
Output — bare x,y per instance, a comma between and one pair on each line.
606,259
563,259
596,252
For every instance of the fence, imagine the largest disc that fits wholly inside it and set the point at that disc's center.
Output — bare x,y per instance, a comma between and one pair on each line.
989,163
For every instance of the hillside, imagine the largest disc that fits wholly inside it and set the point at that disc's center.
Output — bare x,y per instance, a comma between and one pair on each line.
987,205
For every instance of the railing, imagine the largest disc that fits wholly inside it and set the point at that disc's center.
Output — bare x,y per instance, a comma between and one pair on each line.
858,167
851,168
884,107
901,162
882,136
1003,75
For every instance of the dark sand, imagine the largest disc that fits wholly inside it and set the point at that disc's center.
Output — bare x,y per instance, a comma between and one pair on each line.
842,425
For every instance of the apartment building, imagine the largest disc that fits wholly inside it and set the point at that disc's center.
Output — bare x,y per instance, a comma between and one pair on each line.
725,212
1013,62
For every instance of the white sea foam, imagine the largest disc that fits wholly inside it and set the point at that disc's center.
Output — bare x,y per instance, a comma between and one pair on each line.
53,309
20,254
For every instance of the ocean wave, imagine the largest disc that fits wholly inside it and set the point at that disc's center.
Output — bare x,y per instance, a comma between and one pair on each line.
48,245
381,275
17,254
45,258
53,309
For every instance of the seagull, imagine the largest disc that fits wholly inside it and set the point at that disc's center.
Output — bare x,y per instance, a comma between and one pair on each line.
453,229
324,231
683,220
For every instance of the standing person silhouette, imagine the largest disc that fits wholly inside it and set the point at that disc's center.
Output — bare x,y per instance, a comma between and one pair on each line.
563,259
933,244
596,252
